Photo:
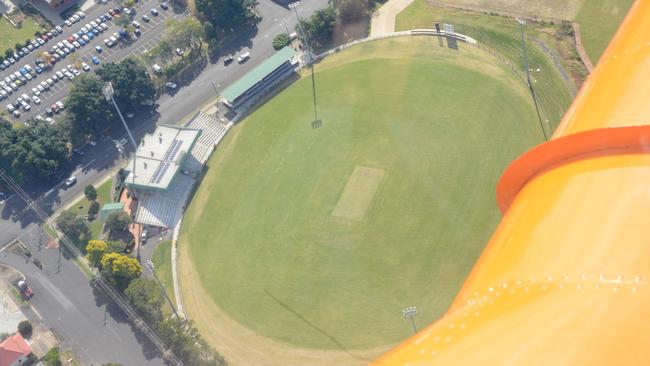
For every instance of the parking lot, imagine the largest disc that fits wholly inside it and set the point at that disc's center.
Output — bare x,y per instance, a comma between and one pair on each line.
151,32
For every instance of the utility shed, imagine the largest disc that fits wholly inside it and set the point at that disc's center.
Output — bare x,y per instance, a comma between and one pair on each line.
109,208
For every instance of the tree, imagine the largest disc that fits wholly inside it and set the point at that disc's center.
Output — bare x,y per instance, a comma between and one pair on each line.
118,221
18,46
181,33
74,227
9,52
93,209
96,249
186,342
227,16
88,109
90,192
280,41
52,357
145,296
34,153
120,269
351,9
319,27
131,83
25,328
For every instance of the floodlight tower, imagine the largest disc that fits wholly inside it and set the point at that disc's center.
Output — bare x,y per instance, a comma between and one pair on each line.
310,60
108,92
522,22
410,313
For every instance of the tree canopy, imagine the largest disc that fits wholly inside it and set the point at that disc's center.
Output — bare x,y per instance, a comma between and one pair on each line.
95,250
90,192
145,296
319,27
75,228
118,221
89,111
350,9
132,84
227,16
33,153
120,269
280,41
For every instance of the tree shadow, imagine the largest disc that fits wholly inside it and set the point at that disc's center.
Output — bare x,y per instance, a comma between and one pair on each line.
149,350
239,40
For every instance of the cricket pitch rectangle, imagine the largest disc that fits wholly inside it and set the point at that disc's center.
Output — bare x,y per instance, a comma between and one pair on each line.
358,193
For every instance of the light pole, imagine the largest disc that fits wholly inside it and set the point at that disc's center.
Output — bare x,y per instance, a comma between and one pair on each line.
530,84
151,268
310,61
410,313
108,92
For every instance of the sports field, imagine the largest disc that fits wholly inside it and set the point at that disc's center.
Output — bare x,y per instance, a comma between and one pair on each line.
9,34
599,20
316,238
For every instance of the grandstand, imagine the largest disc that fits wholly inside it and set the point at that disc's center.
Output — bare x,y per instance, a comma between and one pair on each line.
166,172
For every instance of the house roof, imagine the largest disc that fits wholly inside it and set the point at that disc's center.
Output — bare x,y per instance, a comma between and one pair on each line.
251,78
12,349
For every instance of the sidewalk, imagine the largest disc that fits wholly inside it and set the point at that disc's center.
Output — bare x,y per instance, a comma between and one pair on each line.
383,20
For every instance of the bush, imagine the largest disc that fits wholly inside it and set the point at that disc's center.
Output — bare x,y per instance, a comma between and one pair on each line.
90,192
25,328
93,209
118,221
280,41
9,52
18,46
52,357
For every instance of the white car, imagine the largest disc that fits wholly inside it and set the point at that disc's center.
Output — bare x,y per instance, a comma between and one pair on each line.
93,24
49,120
26,107
70,181
76,44
243,57
113,39
50,82
85,67
29,76
10,107
75,18
36,91
68,23
40,88
45,85
75,71
36,100
103,27
25,97
108,42
81,14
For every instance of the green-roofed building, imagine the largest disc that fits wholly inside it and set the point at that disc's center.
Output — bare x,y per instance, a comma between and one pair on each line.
261,78
109,208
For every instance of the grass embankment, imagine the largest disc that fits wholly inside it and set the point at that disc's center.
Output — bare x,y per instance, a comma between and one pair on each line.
437,126
599,20
162,260
9,34
502,34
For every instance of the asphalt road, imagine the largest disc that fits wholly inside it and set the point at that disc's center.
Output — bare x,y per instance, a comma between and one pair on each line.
85,319
66,301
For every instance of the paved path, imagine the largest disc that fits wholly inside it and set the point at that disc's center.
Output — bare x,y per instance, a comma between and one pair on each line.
581,49
383,20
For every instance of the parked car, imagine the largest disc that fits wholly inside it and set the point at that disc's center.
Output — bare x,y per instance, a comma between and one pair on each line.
154,12
243,57
164,6
71,181
25,291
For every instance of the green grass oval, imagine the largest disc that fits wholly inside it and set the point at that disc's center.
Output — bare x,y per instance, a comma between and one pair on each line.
435,126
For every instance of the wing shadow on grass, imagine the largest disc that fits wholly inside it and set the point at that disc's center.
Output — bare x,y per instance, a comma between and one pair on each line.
314,326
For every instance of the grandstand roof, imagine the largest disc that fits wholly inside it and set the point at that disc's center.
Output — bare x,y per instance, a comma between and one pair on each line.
159,156
257,74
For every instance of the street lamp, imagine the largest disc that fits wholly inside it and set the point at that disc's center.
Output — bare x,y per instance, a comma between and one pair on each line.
410,313
522,22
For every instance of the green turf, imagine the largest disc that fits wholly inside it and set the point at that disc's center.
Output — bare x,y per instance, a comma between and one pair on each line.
162,259
599,20
81,207
260,229
501,34
9,34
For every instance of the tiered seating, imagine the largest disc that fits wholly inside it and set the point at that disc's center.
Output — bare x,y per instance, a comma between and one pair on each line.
212,131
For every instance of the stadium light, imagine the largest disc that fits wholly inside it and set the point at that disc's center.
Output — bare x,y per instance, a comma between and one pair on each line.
316,122
410,313
522,22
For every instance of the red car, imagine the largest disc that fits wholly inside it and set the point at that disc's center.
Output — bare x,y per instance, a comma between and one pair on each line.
54,108
25,290
71,39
